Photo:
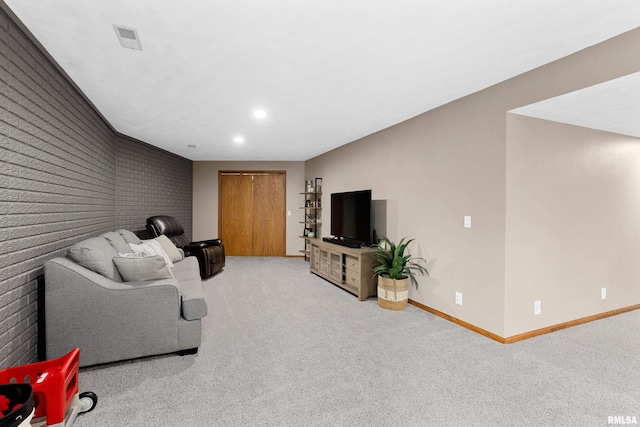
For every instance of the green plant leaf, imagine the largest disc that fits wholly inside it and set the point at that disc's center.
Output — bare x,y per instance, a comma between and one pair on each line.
393,262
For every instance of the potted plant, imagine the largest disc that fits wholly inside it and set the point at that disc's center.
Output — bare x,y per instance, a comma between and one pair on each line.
394,270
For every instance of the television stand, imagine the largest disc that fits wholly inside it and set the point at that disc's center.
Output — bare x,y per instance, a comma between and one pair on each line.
349,268
345,241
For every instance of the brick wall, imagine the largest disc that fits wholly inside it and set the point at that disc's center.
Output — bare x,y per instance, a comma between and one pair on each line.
64,175
152,182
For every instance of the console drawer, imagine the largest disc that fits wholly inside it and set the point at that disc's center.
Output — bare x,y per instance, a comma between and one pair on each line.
315,258
352,263
352,279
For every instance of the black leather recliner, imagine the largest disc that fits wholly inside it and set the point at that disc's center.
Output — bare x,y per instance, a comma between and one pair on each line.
210,253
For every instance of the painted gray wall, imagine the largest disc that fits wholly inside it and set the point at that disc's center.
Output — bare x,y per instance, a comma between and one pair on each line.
572,229
457,160
205,201
64,175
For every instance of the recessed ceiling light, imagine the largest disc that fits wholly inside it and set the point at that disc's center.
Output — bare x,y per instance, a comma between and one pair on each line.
260,114
238,140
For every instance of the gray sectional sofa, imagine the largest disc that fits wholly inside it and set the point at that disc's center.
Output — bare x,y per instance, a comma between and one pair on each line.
89,305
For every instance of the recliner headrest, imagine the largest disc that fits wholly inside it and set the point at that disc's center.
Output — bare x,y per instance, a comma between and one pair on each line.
164,224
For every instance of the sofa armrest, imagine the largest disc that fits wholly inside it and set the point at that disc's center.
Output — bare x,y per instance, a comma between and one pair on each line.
106,319
213,242
203,244
193,246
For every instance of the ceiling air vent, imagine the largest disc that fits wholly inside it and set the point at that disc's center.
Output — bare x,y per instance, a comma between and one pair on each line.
128,37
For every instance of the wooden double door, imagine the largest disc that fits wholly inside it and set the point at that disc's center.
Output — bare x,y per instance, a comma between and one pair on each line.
252,213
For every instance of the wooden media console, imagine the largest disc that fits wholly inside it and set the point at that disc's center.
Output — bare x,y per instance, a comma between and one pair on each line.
349,268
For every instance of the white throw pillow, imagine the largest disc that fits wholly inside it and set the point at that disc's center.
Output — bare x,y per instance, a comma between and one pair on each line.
152,247
141,248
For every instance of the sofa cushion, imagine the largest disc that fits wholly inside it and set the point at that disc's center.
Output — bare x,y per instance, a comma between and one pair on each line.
129,236
96,254
194,306
187,269
117,242
170,249
141,267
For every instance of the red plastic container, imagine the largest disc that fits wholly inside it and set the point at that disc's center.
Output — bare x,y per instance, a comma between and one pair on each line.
55,387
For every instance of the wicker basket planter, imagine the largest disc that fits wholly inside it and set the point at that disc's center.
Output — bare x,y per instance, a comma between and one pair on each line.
393,294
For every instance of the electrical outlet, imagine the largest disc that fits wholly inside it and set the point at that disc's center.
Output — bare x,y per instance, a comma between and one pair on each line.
467,221
459,298
603,293
537,307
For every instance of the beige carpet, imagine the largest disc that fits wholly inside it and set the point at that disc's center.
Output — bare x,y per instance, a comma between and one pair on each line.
282,347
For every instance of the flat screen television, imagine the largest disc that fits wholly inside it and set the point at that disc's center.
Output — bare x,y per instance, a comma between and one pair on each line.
351,215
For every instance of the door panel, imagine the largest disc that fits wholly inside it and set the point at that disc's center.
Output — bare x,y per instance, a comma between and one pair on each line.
269,215
235,207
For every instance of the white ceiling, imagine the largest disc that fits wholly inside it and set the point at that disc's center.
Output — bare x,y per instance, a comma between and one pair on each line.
326,72
613,106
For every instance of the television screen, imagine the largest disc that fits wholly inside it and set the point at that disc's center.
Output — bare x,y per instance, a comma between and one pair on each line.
351,215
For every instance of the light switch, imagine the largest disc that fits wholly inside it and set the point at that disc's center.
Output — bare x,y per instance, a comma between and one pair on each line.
288,213
467,221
